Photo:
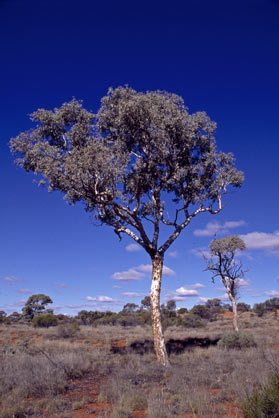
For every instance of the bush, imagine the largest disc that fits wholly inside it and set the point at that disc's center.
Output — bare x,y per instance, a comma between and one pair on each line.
238,340
44,321
192,321
263,403
68,329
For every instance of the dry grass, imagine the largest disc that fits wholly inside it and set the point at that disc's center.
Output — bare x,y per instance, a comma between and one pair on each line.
36,366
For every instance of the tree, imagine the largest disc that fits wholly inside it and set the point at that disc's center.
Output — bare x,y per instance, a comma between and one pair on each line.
222,264
139,160
243,307
36,305
129,308
145,303
3,315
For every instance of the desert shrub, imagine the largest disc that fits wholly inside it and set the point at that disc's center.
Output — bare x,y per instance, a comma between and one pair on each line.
243,307
182,311
44,321
68,329
121,412
134,400
192,321
201,311
238,340
264,402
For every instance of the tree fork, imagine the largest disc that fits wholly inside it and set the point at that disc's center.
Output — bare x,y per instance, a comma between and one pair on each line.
159,341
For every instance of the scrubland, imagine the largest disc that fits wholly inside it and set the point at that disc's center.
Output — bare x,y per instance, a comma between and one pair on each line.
93,371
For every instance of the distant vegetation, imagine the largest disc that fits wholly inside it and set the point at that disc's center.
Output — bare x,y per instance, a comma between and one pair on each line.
36,313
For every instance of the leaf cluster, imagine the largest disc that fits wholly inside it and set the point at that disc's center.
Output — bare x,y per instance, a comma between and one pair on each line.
121,161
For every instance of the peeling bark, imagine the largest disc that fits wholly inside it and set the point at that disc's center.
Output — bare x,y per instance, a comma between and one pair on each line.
159,341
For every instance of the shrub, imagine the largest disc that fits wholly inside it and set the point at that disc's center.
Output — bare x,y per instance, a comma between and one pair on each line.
44,321
238,340
68,329
192,321
263,403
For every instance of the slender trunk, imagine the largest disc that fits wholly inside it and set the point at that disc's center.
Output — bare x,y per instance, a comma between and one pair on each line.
234,308
159,341
235,316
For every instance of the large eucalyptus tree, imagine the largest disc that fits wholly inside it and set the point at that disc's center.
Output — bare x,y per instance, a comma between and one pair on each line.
141,163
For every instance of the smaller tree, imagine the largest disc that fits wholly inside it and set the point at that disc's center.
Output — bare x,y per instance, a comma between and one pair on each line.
145,303
36,305
2,316
222,264
243,307
14,317
129,308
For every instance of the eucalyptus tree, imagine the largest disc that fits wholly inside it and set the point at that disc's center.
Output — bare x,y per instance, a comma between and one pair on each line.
141,164
222,264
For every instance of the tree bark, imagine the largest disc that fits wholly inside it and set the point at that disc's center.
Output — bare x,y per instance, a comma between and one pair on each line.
159,341
235,316
234,308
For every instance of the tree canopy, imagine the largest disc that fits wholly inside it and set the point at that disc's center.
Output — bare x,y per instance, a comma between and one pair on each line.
124,160
140,163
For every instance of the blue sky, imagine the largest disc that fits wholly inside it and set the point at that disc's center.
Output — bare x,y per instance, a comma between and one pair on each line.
221,57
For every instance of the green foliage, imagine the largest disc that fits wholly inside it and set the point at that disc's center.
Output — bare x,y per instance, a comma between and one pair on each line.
121,160
145,302
44,321
129,308
237,340
3,315
222,262
243,307
201,311
264,402
259,309
14,317
35,305
68,329
191,321
182,311
268,306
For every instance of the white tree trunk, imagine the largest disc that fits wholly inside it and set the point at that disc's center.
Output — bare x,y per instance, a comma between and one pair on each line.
234,308
159,341
235,316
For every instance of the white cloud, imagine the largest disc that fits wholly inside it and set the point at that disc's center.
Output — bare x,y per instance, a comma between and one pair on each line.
139,272
101,299
201,252
11,279
213,228
133,294
62,285
224,297
173,254
184,292
262,241
128,276
202,299
81,305
16,304
168,272
243,282
181,291
25,291
272,293
131,248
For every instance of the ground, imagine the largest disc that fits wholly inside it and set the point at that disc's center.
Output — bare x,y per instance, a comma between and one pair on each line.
112,372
